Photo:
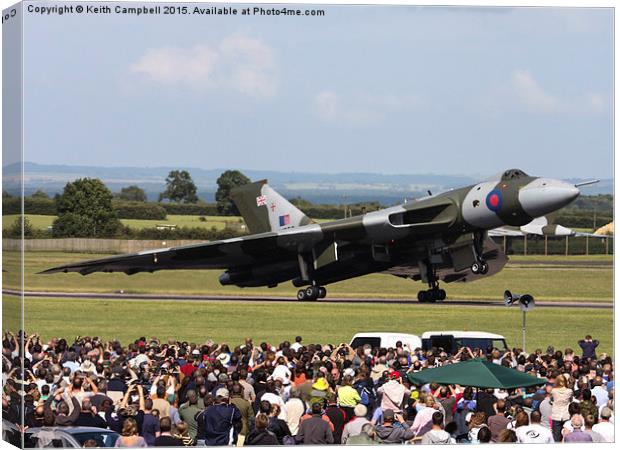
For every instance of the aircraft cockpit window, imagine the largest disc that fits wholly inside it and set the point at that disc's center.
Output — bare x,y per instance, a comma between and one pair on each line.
513,174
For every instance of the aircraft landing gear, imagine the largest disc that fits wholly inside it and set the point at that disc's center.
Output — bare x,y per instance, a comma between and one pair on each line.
434,293
311,293
431,295
480,266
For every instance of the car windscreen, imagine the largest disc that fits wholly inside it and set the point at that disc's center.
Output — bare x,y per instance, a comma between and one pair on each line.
482,343
102,438
360,341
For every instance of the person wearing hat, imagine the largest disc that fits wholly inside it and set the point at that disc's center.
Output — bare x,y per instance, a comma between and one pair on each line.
393,392
604,427
222,421
355,425
320,391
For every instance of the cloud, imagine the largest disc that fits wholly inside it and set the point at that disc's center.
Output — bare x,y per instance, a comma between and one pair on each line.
360,110
528,93
238,63
531,94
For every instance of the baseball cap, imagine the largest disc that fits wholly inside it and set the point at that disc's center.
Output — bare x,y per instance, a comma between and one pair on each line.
222,392
393,375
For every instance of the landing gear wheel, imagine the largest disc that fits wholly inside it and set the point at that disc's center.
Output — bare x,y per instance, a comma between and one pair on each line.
301,295
441,295
322,292
422,296
484,268
312,292
476,268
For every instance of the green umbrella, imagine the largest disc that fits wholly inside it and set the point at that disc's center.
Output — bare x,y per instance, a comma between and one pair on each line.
478,373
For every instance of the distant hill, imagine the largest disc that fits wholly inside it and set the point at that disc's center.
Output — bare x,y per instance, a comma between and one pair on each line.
315,187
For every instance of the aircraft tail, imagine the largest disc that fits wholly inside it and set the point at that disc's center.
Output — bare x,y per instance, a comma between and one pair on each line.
263,209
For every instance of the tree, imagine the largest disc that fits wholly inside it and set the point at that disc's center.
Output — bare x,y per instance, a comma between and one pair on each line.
133,193
40,194
227,181
85,210
179,187
15,229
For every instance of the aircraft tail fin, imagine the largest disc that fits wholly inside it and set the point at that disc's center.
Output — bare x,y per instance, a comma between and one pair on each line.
263,209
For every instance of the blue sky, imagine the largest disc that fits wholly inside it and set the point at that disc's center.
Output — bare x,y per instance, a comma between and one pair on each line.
363,89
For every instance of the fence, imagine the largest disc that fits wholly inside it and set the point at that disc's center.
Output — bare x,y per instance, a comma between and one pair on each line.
551,245
83,245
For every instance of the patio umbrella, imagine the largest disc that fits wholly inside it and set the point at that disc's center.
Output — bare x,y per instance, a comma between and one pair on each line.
478,373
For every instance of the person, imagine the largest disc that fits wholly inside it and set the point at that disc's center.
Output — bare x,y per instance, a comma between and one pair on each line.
182,433
348,397
88,416
221,420
150,423
577,435
393,393
484,435
604,427
393,429
588,347
561,396
355,425
599,392
314,430
534,433
367,436
244,407
165,438
588,423
437,435
188,412
498,421
478,420
129,435
260,435
295,408
507,435
587,406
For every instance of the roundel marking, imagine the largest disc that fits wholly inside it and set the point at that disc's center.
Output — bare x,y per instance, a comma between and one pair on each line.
494,200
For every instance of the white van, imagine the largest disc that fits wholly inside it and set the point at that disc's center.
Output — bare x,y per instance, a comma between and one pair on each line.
385,340
451,341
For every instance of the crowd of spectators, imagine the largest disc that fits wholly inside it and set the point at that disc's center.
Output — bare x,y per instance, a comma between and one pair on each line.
171,393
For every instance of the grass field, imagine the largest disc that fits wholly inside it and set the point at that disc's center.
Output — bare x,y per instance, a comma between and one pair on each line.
578,283
231,322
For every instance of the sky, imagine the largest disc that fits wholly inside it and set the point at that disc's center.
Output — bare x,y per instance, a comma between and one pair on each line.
363,89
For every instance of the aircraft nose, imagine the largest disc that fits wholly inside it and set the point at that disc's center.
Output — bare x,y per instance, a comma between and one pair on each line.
544,195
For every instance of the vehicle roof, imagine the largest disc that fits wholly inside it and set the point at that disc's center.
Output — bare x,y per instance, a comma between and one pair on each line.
384,334
463,334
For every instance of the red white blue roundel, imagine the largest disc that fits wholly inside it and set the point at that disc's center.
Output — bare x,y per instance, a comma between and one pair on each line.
494,200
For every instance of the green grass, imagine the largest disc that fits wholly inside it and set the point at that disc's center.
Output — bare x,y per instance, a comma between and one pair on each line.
231,322
219,222
576,283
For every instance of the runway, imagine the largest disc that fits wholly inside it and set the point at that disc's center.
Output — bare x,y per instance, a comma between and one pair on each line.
347,300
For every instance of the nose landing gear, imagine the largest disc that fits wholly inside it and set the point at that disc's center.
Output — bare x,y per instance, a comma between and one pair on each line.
480,266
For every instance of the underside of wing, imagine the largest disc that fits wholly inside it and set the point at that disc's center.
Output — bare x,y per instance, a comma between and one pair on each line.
449,270
210,255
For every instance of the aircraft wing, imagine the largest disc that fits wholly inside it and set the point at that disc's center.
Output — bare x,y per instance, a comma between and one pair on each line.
210,255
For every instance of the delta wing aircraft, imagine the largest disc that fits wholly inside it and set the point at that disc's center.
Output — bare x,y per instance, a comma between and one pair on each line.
441,237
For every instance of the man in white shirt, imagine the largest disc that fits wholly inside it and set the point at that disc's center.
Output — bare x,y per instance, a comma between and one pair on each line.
297,344
605,428
534,433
